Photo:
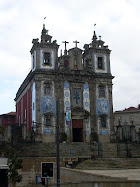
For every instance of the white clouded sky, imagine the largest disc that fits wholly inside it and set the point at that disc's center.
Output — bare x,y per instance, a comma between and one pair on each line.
118,22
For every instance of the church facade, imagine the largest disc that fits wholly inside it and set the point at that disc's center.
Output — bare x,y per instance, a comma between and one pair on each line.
80,81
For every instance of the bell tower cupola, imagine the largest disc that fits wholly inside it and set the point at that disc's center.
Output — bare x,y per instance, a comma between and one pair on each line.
96,56
44,53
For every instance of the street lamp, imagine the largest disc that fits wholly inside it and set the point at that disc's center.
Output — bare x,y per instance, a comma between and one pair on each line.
57,145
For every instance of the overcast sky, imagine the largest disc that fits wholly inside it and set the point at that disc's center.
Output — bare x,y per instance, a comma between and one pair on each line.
117,21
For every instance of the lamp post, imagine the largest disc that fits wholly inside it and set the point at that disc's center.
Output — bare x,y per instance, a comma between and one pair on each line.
57,145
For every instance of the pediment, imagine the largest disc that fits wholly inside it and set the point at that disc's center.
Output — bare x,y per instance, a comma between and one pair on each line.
79,111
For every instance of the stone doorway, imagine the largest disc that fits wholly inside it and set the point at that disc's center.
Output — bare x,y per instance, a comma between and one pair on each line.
77,130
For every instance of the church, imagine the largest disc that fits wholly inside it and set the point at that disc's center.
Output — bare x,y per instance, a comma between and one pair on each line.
80,81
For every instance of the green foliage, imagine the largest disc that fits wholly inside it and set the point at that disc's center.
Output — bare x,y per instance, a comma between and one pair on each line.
14,165
63,137
95,136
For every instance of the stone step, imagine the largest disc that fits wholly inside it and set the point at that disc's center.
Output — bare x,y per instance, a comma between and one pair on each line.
110,163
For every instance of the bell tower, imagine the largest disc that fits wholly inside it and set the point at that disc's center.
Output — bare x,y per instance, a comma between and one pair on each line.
96,59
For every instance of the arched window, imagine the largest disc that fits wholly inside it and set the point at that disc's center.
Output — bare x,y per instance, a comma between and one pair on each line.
47,58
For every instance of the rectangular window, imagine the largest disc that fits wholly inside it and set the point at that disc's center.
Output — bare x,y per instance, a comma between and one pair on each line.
103,119
101,91
47,58
100,63
76,97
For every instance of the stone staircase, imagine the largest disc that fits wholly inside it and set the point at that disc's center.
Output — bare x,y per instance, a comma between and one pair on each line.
113,156
101,155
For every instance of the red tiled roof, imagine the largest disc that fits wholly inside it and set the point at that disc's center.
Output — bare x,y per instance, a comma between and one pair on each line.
130,108
10,113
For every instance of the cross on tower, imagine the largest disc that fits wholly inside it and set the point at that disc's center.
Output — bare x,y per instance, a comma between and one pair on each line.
65,42
65,51
76,42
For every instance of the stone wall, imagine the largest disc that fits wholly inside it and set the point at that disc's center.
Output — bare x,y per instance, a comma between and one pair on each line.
71,154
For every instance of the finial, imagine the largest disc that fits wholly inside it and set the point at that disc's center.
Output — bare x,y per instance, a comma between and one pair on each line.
94,26
99,37
44,23
94,38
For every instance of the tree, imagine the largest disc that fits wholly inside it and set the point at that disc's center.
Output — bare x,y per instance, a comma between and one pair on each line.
14,165
63,137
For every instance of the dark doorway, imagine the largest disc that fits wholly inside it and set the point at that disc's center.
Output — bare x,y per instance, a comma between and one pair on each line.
3,178
77,130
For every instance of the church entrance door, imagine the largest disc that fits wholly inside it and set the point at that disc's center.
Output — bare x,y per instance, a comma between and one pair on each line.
77,130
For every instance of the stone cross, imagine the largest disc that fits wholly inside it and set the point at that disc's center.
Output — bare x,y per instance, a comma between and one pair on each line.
76,42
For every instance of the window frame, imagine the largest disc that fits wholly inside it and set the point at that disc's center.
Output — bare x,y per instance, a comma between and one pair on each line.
80,97
100,60
49,117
